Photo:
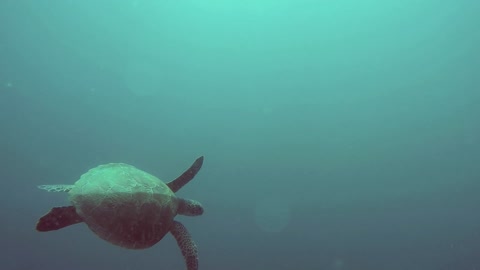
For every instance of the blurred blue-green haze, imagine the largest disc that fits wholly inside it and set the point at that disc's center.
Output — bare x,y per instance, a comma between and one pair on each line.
339,135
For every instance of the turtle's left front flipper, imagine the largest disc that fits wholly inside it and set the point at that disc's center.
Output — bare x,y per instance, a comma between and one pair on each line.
186,176
57,218
186,244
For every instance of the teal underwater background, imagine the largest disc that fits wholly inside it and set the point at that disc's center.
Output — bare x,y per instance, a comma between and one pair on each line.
337,135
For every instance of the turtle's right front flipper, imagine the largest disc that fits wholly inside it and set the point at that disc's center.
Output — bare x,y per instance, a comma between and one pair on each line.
57,218
186,244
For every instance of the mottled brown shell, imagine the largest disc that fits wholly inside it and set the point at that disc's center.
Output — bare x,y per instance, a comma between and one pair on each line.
124,205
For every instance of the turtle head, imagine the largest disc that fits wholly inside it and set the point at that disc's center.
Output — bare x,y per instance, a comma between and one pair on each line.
189,207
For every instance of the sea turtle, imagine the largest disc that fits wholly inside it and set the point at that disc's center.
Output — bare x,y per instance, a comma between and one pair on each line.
127,207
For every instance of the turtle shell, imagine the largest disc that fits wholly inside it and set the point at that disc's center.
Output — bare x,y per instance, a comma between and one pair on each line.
124,205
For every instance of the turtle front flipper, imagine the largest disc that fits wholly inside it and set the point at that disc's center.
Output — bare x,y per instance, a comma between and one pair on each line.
188,175
57,218
186,244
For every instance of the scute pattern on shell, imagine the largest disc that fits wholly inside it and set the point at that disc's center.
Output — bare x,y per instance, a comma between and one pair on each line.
118,177
124,205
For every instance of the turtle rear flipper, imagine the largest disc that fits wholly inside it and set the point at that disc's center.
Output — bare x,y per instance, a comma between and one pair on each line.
57,218
188,175
56,188
186,244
